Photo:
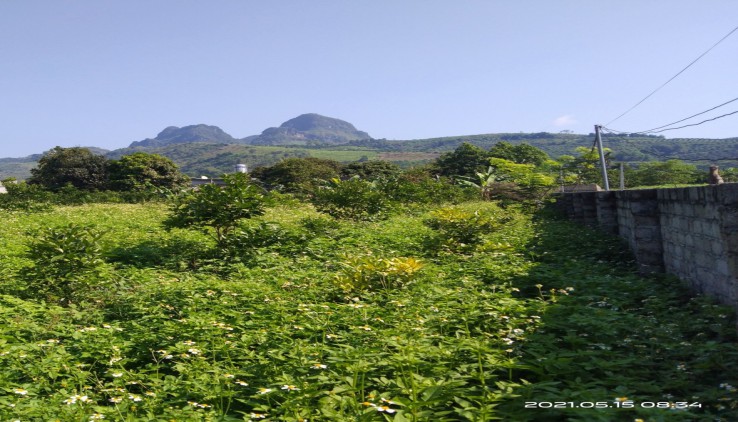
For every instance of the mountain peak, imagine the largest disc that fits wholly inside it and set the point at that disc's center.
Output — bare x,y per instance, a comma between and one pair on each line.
307,129
192,133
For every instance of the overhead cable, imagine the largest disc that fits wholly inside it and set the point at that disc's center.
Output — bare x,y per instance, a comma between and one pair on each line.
673,77
687,118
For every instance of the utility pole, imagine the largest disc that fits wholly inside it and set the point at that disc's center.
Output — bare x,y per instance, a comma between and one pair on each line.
603,166
622,176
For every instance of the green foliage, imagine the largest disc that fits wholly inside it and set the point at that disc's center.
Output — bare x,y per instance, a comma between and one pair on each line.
418,186
354,199
465,161
520,154
670,172
458,229
217,208
66,259
76,166
528,183
320,225
22,196
371,170
141,171
245,242
585,168
730,174
529,315
484,183
297,175
368,272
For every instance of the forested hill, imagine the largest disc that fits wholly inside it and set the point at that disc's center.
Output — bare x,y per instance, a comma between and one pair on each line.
218,156
629,149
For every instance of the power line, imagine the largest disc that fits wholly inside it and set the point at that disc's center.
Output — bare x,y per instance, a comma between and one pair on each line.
696,124
671,157
673,77
652,131
687,118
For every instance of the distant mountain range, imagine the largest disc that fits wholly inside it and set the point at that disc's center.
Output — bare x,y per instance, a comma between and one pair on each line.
305,129
208,150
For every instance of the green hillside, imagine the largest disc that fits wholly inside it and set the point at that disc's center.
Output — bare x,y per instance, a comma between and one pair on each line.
209,158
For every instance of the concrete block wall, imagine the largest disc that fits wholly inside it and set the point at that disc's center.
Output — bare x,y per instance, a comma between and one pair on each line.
691,233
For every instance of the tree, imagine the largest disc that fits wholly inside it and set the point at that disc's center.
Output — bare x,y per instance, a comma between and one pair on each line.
484,182
217,210
76,166
585,168
298,175
371,170
142,171
520,154
671,172
466,160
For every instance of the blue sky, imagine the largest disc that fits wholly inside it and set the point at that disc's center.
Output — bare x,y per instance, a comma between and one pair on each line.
107,73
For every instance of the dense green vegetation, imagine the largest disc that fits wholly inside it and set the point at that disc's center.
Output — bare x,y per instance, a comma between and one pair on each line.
425,311
344,292
216,155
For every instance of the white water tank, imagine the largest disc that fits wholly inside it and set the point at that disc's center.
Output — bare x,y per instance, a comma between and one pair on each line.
241,168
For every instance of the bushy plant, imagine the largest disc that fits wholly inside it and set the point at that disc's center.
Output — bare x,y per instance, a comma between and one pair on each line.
65,260
419,187
21,196
368,272
354,199
320,225
458,230
217,210
246,241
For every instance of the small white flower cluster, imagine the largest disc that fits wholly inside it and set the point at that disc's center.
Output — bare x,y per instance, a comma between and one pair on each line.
728,387
200,405
77,398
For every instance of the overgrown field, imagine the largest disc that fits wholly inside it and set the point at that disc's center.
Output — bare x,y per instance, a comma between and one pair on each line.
405,319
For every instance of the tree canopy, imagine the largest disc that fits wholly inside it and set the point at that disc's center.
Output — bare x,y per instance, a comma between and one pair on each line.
76,166
142,171
298,174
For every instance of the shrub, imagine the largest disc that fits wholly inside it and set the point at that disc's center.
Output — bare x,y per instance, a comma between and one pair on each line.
244,242
353,199
21,196
217,210
320,225
420,187
368,272
65,259
459,230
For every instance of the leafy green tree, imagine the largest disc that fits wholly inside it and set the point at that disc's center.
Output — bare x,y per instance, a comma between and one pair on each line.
142,171
730,174
465,161
217,210
68,259
527,180
671,172
298,175
355,199
371,170
520,154
585,168
75,166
